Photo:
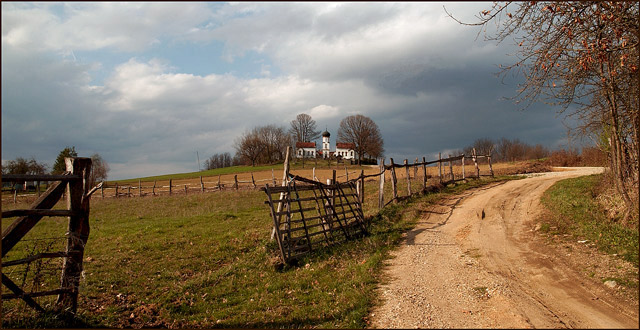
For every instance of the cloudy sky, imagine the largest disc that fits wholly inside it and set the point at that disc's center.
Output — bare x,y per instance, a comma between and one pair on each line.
147,85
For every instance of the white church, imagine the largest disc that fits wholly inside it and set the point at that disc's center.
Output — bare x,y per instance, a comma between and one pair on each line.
343,150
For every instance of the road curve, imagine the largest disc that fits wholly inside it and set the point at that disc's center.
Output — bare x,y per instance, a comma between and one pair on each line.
474,261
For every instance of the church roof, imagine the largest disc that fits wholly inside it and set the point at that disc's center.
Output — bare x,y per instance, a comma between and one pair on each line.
345,145
326,134
305,144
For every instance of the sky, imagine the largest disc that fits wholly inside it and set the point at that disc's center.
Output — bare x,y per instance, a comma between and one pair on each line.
152,86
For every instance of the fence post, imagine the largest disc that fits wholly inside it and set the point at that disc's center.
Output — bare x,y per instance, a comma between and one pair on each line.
362,187
381,191
394,181
346,173
38,187
415,169
102,189
273,177
406,166
314,174
475,162
116,190
453,178
440,167
129,191
463,177
285,173
15,195
78,231
170,184
139,188
185,189
201,184
490,167
253,181
153,190
424,173
219,186
235,179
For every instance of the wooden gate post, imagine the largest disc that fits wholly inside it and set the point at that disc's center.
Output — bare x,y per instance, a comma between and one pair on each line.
285,177
424,173
381,191
394,181
490,167
440,167
78,230
475,162
406,166
463,177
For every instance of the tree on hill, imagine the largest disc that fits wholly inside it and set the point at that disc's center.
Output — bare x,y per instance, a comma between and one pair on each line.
364,133
99,169
59,166
24,166
303,128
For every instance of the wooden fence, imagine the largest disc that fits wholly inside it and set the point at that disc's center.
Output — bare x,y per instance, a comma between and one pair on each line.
309,214
76,183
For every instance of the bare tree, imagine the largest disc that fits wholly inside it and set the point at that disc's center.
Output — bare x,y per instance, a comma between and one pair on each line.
275,141
24,166
218,161
364,133
582,53
249,147
303,128
99,169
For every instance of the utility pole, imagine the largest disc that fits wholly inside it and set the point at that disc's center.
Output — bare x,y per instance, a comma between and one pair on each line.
197,155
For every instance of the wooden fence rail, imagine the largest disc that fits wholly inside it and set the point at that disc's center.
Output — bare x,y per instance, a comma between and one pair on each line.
76,184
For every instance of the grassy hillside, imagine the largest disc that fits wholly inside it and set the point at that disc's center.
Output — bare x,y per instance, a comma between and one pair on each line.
206,260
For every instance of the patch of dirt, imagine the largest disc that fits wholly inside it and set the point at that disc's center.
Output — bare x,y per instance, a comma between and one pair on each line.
476,261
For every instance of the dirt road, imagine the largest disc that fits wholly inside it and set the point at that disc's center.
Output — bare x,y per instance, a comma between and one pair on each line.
475,261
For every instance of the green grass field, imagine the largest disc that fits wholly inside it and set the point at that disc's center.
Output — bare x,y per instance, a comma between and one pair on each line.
575,212
206,260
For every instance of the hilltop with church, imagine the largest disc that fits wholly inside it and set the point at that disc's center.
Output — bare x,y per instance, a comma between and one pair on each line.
342,150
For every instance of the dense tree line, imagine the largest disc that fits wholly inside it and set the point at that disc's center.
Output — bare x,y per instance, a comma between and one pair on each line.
218,161
507,150
262,145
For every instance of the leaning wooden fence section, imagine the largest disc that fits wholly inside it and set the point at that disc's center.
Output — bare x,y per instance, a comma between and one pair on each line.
308,214
76,184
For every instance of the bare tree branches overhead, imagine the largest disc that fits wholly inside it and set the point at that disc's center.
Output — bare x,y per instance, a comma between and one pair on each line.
582,56
364,133
99,169
303,128
263,144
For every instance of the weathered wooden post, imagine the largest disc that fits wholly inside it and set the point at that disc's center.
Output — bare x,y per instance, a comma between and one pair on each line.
38,187
15,196
453,178
394,181
440,167
78,232
170,185
362,185
129,191
219,186
490,167
102,189
153,190
474,156
415,169
253,181
406,167
285,176
235,180
185,189
139,188
424,173
346,173
201,184
381,191
463,177
273,177
116,190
